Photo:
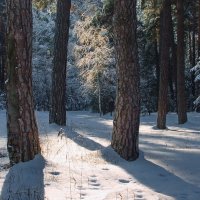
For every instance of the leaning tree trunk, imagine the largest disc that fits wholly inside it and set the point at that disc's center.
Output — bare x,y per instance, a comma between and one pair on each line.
23,140
181,98
126,121
58,97
164,65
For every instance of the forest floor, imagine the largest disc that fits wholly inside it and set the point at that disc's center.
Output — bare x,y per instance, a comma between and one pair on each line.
80,164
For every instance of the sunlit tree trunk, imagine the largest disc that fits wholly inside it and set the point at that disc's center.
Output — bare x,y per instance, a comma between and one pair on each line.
181,98
23,140
126,121
164,65
99,94
58,97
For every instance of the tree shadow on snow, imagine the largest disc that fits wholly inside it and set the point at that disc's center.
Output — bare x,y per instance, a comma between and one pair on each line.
143,170
146,172
25,181
154,176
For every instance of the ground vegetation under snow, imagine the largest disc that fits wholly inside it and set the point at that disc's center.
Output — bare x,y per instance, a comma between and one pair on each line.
80,164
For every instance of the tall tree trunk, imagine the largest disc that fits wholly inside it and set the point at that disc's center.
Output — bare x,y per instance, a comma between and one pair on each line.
199,30
173,65
193,46
99,94
23,140
126,121
164,65
58,97
181,98
2,44
157,64
194,34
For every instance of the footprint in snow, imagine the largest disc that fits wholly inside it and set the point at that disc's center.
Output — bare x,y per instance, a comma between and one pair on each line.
54,173
105,169
138,195
93,182
123,181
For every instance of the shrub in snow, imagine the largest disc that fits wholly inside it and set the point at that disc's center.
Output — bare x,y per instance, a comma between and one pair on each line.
2,101
43,33
196,69
94,57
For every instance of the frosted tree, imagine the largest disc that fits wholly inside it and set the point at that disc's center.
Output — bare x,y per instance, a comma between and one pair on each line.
94,57
196,71
43,33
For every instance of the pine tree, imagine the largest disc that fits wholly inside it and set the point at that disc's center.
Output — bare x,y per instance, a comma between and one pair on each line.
181,98
23,140
2,44
125,134
164,65
58,96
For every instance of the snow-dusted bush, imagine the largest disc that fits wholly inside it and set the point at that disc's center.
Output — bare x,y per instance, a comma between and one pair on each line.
196,70
43,33
94,56
2,101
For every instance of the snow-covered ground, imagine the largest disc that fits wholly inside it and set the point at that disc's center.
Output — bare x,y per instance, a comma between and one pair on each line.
80,164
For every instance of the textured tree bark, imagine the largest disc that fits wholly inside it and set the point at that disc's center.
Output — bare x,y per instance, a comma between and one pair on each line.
157,70
58,97
173,63
199,30
2,44
193,48
125,134
181,98
164,65
194,24
23,140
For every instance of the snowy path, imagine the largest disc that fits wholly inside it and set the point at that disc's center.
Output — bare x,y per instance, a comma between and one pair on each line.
82,165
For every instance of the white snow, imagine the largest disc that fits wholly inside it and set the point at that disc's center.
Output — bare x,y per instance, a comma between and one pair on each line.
80,164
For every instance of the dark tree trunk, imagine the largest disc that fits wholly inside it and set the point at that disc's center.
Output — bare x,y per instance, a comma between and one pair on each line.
181,98
127,118
193,47
173,63
2,44
23,140
58,97
190,45
199,30
157,67
164,65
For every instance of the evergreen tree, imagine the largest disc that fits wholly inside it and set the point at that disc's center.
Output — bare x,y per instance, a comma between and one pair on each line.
58,96
2,44
164,65
23,140
181,98
125,134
